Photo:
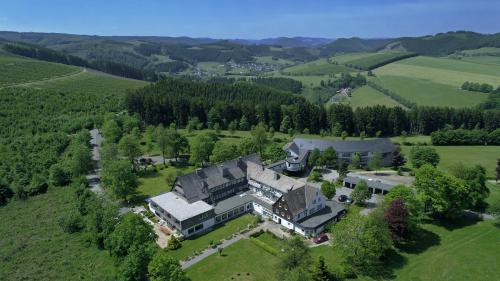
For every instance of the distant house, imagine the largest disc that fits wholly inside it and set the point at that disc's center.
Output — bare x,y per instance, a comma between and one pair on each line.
298,151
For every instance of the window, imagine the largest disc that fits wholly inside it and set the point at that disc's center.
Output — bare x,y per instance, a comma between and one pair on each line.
191,230
198,227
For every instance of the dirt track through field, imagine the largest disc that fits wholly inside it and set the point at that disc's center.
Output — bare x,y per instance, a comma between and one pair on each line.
52,79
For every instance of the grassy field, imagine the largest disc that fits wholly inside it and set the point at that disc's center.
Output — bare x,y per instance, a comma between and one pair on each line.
368,60
212,67
367,96
242,261
443,252
442,70
453,253
429,93
34,247
154,183
482,51
487,60
199,243
437,81
15,70
91,82
317,67
468,155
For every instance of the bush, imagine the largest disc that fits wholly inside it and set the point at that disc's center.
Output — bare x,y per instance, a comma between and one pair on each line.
71,222
174,243
59,176
257,234
264,246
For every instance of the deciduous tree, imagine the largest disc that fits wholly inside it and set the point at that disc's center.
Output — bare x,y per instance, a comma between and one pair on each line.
361,193
164,268
120,178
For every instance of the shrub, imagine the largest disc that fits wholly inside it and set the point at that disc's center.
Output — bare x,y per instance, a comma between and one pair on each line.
264,246
71,222
174,243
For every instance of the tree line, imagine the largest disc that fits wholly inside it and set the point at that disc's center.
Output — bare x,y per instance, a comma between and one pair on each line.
41,53
245,104
465,137
478,87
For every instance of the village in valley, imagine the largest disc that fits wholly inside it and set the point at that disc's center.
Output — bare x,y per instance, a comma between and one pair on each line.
263,141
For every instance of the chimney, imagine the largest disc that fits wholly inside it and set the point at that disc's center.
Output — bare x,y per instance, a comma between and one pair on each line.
276,176
223,171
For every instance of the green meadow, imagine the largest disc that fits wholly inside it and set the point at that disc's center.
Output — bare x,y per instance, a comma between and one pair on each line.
367,96
16,70
317,67
34,247
369,60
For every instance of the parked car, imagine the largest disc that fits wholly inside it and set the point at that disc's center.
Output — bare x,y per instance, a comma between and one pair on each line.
320,238
343,198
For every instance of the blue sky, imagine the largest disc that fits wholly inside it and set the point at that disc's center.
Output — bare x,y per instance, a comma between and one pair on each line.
251,19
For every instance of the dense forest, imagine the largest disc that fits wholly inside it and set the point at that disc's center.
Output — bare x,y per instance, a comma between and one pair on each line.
44,137
174,100
45,54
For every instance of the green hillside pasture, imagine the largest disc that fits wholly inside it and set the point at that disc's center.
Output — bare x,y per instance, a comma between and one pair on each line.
493,61
34,247
482,51
317,67
212,67
14,70
367,96
442,70
91,82
348,57
430,93
372,60
485,156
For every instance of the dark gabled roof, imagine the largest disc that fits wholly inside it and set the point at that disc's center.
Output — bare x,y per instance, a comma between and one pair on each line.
299,199
292,146
380,145
302,154
194,186
323,216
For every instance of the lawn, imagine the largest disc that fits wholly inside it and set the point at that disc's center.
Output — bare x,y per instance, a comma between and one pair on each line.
240,261
34,247
189,246
16,70
469,155
317,67
453,253
155,183
367,96
443,252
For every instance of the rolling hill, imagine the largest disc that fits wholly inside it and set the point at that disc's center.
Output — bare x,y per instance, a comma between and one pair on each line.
436,81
